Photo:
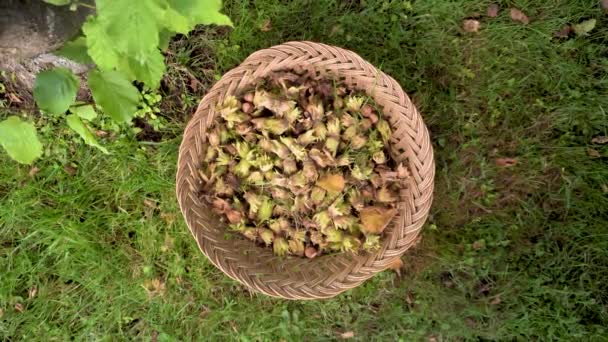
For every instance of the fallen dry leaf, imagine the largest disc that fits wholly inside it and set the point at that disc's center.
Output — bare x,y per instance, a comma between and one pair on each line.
602,139
432,338
347,334
14,98
266,26
471,25
409,298
564,32
479,244
496,300
154,337
34,171
492,11
169,218
519,16
150,203
331,182
506,162
396,266
594,153
376,219
193,84
154,287
19,307
70,170
101,134
604,5
32,292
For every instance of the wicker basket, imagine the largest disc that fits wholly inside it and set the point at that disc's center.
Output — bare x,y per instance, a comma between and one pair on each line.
328,275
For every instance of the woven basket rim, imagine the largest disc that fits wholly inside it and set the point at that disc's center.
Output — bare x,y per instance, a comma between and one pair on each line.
328,275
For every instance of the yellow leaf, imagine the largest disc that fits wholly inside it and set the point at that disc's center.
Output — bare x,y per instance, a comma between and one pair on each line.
331,182
375,219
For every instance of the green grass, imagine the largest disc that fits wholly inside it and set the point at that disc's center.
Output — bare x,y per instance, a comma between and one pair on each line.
508,253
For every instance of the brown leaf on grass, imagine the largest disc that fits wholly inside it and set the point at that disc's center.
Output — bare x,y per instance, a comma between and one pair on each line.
32,292
479,244
331,182
604,5
101,134
70,170
169,218
564,32
396,266
150,203
33,171
496,300
154,287
471,25
14,98
602,139
376,219
409,298
19,307
594,153
519,16
506,162
347,334
194,84
492,11
266,26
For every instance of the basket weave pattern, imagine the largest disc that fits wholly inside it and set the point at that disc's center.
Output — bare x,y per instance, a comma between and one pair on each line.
327,275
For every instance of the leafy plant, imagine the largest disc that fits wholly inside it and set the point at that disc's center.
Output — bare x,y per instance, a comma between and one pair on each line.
124,40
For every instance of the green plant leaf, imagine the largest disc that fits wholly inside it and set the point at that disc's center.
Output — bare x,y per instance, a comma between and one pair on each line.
583,28
76,50
55,90
164,39
131,26
86,112
114,93
79,127
58,2
175,21
19,139
150,73
201,11
101,49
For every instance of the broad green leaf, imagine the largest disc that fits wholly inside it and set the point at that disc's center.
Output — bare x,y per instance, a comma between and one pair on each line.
55,90
58,2
175,21
164,38
583,28
76,50
19,139
100,47
201,11
114,93
131,26
79,127
86,112
150,73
